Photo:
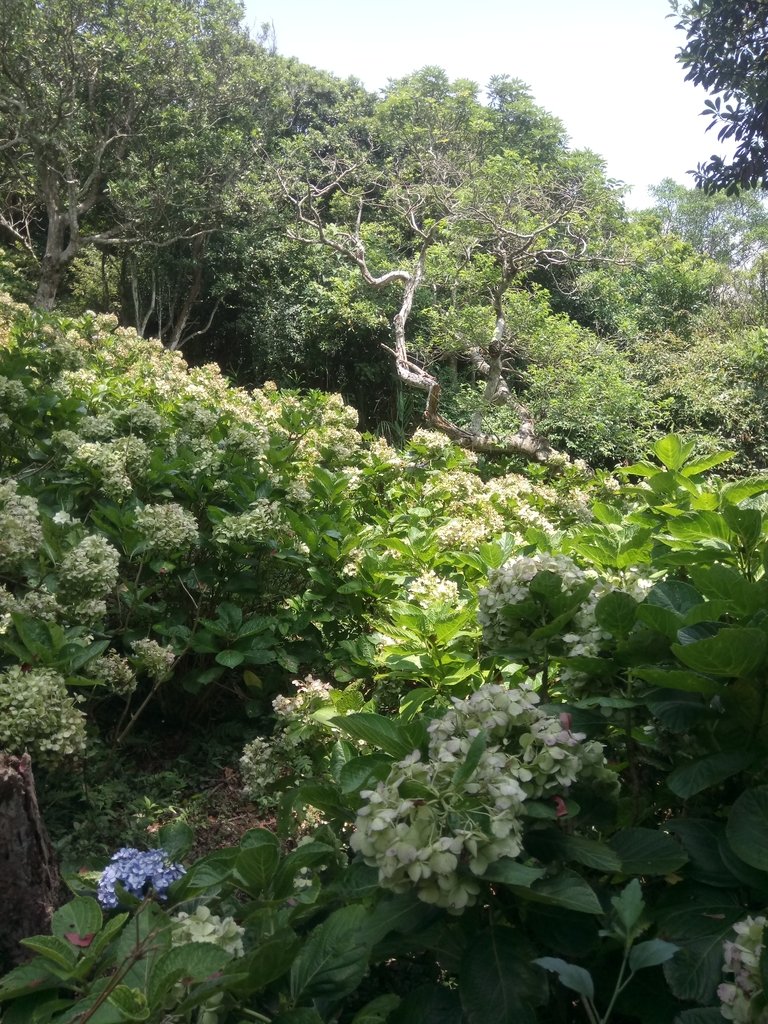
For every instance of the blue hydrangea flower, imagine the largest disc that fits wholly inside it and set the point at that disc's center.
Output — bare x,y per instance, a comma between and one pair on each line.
137,871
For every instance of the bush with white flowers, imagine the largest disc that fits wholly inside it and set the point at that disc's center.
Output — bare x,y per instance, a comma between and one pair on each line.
435,826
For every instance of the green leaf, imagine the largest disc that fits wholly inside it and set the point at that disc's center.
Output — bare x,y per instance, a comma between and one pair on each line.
733,653
377,731
131,1003
378,1010
555,844
496,982
512,872
747,827
31,977
81,916
363,772
616,612
628,908
705,462
566,889
35,634
676,596
195,960
710,1015
333,959
53,948
742,489
675,679
176,838
575,978
433,1004
270,961
651,954
230,659
689,779
476,749
672,452
696,969
257,860
645,851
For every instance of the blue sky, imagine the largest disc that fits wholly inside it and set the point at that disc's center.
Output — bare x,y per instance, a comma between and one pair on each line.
605,67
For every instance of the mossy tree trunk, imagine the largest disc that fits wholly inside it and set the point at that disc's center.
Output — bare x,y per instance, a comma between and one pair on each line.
29,879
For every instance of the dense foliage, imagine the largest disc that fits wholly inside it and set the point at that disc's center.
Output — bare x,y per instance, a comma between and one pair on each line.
333,726
499,720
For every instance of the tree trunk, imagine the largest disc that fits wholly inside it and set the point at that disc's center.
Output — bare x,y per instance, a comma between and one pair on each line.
29,879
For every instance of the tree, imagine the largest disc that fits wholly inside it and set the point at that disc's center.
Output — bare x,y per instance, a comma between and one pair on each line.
725,52
730,229
111,130
429,184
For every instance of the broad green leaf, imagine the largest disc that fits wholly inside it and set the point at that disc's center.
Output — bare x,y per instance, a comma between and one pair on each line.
628,908
31,977
512,872
270,961
378,1010
577,979
672,451
699,1015
646,851
255,867
696,969
362,772
377,731
333,959
57,950
742,489
689,779
747,827
176,838
194,960
566,889
616,612
733,653
131,1003
651,954
695,466
496,982
81,916
676,679
230,659
471,760
433,1004
672,594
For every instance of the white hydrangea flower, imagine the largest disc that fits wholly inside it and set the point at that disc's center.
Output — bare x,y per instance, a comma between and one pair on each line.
167,528
430,589
203,926
741,998
154,659
20,531
444,833
38,713
90,568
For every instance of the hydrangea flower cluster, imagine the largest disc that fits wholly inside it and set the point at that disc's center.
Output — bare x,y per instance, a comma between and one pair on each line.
137,872
443,839
114,463
509,584
154,659
263,522
20,532
90,568
114,671
38,714
430,589
742,999
167,528
203,926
